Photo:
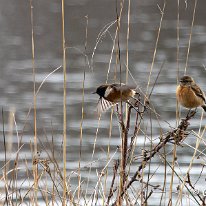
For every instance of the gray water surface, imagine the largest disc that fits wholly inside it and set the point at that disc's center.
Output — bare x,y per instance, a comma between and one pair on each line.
16,80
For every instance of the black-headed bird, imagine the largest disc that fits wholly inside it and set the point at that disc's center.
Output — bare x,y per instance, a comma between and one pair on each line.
111,94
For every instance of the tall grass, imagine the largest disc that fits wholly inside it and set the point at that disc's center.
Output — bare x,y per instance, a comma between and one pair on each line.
35,148
65,187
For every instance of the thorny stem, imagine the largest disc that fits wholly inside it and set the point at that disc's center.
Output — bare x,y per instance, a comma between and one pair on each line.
176,135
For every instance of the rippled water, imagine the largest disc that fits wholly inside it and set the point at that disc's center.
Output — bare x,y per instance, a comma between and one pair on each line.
16,80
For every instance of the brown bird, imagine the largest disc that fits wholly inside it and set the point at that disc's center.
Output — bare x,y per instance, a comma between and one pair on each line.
189,94
111,94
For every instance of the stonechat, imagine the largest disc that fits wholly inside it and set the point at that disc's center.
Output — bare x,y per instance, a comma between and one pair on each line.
111,94
189,94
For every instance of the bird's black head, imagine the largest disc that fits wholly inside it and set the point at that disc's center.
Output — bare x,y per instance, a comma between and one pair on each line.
101,90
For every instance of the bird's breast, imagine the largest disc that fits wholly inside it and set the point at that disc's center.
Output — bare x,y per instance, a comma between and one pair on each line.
187,97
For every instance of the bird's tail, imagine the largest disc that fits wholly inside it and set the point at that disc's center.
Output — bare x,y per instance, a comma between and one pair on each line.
204,107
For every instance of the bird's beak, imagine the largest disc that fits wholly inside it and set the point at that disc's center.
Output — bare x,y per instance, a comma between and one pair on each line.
94,92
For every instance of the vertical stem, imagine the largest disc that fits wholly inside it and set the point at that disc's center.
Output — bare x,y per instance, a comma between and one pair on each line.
122,172
35,166
190,38
5,160
127,55
64,111
156,44
177,105
178,66
82,117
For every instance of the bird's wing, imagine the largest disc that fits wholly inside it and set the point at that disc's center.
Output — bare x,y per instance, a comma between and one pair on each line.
117,86
198,92
103,105
123,88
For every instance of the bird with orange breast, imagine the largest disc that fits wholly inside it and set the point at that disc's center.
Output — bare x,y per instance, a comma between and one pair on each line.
111,94
189,94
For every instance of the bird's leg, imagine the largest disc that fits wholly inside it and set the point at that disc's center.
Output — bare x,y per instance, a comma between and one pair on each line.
140,113
191,112
188,113
133,106
145,106
137,100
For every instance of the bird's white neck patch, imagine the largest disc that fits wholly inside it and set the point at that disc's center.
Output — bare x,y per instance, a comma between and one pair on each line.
133,93
107,91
